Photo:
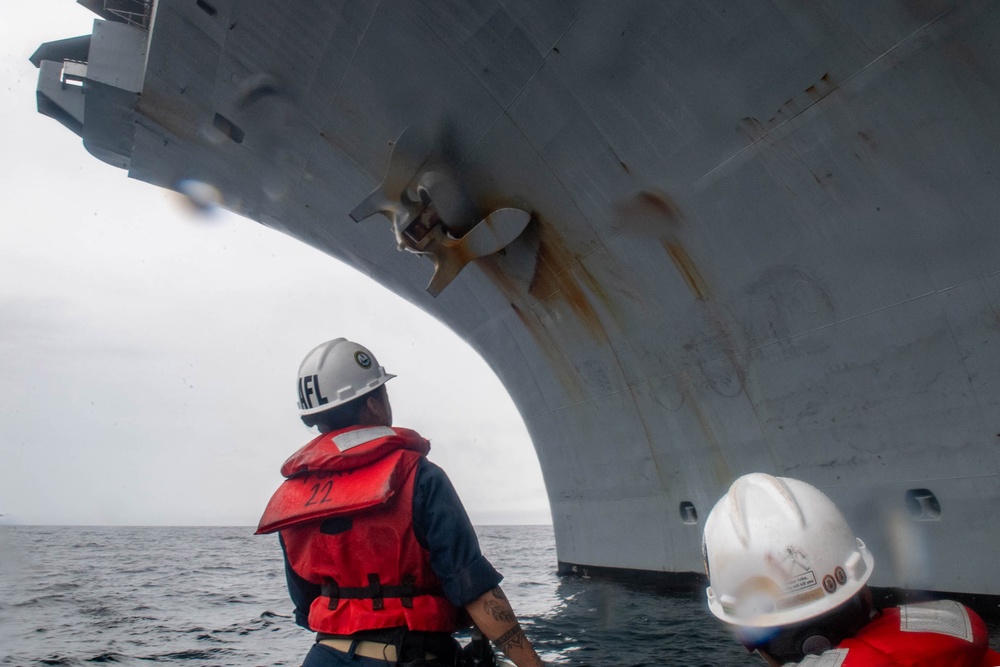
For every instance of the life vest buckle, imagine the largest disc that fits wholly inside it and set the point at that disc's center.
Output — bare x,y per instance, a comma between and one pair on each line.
375,586
331,589
407,590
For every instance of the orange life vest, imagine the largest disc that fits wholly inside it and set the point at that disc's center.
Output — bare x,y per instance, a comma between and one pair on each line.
372,571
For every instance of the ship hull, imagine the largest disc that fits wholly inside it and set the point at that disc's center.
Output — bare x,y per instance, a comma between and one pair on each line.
762,237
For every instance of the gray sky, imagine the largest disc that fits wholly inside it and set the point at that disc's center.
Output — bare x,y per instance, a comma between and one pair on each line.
148,354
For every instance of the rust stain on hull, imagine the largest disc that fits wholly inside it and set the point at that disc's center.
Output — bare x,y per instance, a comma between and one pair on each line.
754,130
654,213
563,367
649,213
720,469
661,204
557,276
554,281
686,267
802,101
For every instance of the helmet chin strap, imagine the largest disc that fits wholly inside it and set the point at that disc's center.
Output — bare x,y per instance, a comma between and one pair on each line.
815,636
793,644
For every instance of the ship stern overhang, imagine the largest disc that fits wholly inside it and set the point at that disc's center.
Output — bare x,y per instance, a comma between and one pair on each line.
92,84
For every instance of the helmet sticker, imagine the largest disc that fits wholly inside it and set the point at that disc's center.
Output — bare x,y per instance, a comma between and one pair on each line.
363,359
800,582
793,568
796,558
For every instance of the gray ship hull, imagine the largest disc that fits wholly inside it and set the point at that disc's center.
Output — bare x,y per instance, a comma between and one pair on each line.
757,236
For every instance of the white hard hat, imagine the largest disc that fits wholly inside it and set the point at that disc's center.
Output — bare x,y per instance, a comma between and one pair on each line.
778,551
335,372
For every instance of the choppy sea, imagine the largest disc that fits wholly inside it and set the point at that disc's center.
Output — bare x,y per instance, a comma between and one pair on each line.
216,596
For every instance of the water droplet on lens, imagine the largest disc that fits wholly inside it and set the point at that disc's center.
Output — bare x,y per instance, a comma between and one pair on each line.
204,197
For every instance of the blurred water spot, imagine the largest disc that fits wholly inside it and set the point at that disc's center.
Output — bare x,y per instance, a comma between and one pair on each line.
909,550
201,198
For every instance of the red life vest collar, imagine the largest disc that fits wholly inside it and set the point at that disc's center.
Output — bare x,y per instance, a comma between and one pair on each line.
322,482
351,448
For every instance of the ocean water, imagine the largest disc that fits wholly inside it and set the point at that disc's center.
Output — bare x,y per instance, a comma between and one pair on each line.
216,596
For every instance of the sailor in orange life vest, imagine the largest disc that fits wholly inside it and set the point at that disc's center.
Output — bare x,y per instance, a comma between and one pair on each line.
381,559
786,571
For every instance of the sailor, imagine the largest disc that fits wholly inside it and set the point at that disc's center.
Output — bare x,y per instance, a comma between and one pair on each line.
790,577
381,559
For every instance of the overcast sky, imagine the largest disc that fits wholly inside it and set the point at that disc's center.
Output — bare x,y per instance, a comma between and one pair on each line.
148,355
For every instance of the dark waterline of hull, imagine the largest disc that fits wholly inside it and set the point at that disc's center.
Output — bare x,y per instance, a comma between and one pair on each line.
694,583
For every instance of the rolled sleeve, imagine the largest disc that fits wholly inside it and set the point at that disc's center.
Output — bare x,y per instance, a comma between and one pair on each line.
465,585
442,526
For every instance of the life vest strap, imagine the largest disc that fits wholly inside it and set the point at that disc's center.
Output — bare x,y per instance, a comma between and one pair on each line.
378,601
376,592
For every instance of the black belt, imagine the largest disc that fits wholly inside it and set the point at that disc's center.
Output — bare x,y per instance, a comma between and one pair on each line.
376,592
407,644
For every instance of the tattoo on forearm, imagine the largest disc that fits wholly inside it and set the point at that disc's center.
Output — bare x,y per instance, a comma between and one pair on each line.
513,638
499,612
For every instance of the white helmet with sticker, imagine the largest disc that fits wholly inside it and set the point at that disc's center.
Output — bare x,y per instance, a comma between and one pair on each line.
336,372
778,551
